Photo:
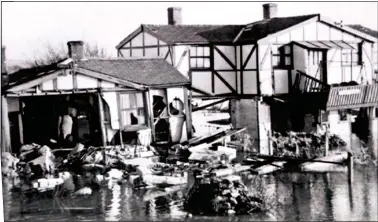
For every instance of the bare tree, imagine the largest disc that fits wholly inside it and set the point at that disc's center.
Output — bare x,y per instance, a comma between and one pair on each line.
53,54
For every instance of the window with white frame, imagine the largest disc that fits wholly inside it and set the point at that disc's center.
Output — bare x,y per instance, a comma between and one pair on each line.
199,57
132,109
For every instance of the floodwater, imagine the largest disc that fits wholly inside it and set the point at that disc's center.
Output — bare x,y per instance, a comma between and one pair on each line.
297,197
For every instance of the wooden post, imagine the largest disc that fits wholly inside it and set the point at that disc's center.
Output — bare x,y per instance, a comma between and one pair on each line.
188,113
150,114
20,123
350,167
372,141
101,112
120,122
326,144
270,143
5,128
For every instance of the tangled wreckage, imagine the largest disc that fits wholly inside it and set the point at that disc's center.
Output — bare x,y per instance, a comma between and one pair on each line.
206,167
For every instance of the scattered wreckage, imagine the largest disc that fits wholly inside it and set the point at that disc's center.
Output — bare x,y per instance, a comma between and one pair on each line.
205,167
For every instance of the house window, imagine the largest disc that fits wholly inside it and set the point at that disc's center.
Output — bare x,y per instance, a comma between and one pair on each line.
282,59
315,57
200,57
132,109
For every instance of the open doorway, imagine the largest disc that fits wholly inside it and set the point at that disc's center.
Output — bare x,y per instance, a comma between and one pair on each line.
65,119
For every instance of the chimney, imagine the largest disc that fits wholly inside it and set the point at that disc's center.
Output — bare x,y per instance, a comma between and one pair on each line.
4,73
270,10
76,50
174,16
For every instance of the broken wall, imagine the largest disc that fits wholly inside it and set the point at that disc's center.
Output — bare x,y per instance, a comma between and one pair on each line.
244,113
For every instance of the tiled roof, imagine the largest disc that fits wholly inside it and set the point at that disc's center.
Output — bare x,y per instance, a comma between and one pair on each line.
172,34
149,72
364,29
28,74
263,28
195,33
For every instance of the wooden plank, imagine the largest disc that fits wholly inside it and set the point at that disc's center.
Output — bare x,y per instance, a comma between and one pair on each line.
241,71
5,127
182,57
151,115
211,48
258,71
120,120
101,113
20,123
188,113
270,168
209,105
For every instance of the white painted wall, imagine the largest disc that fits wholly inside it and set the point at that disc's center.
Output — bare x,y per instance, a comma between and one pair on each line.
281,81
264,126
202,80
250,82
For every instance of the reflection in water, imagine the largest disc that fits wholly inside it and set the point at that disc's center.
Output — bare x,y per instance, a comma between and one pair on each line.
299,196
113,212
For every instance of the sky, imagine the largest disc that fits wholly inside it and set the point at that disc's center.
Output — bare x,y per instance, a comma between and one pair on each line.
27,27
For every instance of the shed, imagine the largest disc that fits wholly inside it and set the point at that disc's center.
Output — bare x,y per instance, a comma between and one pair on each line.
108,100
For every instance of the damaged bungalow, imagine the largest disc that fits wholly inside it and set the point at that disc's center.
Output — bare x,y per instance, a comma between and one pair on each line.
278,73
110,100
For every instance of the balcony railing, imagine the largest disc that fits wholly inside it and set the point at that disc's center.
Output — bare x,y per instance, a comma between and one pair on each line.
307,84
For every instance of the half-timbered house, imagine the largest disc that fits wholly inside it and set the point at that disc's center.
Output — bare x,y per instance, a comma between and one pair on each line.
114,98
277,72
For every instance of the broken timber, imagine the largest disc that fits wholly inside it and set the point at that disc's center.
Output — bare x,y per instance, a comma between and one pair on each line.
264,164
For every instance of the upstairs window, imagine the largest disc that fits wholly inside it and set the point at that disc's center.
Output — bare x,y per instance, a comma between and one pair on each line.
281,57
200,57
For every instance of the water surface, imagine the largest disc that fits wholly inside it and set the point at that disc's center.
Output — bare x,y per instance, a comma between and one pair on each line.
298,196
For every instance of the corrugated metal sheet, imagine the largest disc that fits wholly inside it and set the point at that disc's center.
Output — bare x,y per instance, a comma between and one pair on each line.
371,96
348,97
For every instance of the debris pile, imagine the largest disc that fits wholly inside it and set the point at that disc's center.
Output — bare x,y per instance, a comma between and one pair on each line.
303,145
213,196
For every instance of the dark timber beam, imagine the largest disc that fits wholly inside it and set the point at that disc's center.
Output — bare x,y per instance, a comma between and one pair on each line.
209,105
225,82
225,57
248,57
